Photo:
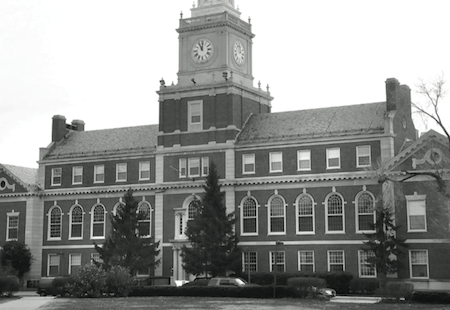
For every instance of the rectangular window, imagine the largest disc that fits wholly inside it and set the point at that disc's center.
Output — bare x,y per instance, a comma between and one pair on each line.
363,156
194,167
95,257
195,122
416,208
280,262
336,261
249,262
419,264
276,162
53,265
74,263
366,270
205,166
182,168
121,172
77,175
144,170
248,163
334,158
56,176
304,160
12,226
99,174
306,261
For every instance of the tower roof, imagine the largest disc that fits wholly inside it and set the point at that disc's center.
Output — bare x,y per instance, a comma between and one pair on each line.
208,7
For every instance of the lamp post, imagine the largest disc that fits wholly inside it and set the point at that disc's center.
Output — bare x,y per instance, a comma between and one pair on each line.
277,243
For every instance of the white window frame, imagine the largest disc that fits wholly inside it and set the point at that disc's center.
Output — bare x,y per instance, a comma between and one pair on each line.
301,263
191,165
182,168
358,214
364,266
412,264
205,166
327,214
77,172
96,257
249,261
71,223
302,156
71,260
92,213
9,217
281,260
49,216
360,154
144,167
146,220
182,217
56,173
248,160
331,154
99,170
313,217
274,160
120,169
330,263
243,217
48,265
195,125
269,216
416,201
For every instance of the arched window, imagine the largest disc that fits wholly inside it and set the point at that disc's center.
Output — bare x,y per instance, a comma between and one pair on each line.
334,213
184,214
249,216
305,214
145,212
76,222
54,223
365,212
277,215
98,221
192,209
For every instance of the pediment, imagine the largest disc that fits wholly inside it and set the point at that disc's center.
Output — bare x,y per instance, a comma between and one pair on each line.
8,185
430,152
16,183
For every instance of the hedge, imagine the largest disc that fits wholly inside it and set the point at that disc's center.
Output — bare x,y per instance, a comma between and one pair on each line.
9,285
436,297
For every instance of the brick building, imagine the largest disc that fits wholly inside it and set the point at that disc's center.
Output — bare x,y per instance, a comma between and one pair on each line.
302,184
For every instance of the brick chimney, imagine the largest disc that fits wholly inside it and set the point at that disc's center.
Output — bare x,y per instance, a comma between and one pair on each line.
392,94
60,129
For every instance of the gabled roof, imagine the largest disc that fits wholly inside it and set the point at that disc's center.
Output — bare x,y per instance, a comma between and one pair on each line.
26,177
413,147
105,142
315,123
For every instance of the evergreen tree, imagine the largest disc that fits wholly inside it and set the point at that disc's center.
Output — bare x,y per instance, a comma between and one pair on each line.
16,257
124,246
383,243
213,249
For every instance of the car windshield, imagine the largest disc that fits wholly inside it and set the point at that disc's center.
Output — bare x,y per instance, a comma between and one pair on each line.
240,282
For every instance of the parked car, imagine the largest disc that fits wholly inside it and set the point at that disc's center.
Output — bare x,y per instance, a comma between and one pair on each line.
324,292
228,281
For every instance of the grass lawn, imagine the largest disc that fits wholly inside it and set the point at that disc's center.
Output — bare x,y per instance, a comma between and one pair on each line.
173,303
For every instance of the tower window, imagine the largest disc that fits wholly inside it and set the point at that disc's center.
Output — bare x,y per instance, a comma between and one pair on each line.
195,117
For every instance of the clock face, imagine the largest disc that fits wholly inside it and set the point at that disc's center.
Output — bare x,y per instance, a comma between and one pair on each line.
239,53
202,50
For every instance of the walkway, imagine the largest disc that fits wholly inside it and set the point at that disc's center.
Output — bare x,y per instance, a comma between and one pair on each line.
356,299
28,300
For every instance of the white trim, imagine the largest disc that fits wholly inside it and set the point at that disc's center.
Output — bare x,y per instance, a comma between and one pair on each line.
313,260
92,221
298,160
141,163
71,223
358,156
8,216
328,259
241,207
416,199
74,169
326,214
269,231
49,215
328,158
95,174
313,215
360,252
272,263
357,230
70,262
280,153
117,172
194,126
248,156
411,264
53,177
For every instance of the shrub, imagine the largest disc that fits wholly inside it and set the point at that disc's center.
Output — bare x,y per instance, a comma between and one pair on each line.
62,286
89,281
399,290
431,297
9,285
339,281
364,286
119,281
303,285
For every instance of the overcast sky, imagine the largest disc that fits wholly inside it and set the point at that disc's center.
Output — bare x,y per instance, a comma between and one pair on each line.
100,61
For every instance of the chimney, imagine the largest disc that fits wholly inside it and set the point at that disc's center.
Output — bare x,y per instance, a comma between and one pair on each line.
58,128
78,125
392,94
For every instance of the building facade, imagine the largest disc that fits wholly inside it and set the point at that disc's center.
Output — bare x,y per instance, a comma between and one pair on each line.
302,184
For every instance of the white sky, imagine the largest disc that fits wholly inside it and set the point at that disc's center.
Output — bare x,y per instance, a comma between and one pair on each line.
101,60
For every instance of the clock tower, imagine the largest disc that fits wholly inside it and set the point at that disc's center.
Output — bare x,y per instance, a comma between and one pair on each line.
214,94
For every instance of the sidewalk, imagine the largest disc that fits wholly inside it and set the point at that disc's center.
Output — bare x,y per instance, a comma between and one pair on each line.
355,299
28,300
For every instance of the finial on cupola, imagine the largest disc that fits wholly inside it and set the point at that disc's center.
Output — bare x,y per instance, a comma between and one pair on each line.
249,20
181,15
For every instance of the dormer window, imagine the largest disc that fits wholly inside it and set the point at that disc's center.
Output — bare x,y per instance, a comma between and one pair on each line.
56,176
195,115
